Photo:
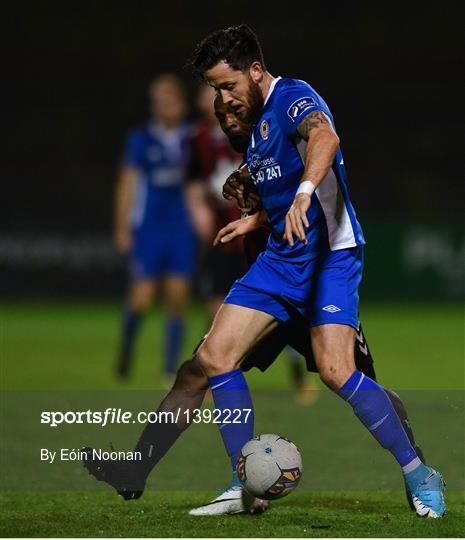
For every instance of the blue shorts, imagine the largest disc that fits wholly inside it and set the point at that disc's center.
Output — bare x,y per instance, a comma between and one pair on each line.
160,254
323,290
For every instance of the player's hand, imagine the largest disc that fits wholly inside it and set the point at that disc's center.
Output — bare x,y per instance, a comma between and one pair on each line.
233,188
296,219
239,228
123,240
252,202
239,186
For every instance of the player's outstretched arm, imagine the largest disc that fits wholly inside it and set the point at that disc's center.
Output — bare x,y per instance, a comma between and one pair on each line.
123,202
240,227
322,145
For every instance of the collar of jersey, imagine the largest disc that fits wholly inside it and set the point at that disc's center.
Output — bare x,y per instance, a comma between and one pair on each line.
270,91
158,131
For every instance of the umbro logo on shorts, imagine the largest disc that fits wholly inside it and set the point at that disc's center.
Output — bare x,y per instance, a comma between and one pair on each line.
331,308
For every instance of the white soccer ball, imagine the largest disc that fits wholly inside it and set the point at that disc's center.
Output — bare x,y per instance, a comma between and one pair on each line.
269,466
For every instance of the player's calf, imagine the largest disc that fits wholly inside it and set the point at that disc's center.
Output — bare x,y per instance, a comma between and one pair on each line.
375,410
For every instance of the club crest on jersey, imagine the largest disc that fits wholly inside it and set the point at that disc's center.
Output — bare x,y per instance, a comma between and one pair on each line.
265,129
299,106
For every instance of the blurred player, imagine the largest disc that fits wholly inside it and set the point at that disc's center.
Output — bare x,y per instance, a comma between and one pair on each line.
152,223
211,161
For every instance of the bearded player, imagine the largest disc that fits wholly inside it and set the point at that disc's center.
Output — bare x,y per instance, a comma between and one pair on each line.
212,158
191,384
296,163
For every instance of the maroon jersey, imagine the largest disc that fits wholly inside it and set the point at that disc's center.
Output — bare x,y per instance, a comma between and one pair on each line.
212,161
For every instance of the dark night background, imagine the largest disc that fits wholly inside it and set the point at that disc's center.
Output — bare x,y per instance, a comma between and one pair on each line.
76,81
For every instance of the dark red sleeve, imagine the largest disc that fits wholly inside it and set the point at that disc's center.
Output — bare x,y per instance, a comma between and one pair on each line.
194,166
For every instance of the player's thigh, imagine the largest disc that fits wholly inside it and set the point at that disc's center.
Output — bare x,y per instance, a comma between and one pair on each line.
333,349
335,298
334,317
266,352
214,305
177,288
142,293
234,332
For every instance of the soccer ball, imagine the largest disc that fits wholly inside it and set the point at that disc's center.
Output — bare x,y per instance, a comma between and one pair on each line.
269,466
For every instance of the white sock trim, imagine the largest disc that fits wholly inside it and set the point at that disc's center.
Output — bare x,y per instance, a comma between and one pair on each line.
221,383
411,466
357,387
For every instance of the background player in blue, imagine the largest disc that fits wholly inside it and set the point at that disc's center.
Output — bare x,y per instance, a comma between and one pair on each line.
152,223
296,163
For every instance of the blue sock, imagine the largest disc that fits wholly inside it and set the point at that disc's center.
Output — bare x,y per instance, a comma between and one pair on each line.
173,344
131,322
230,391
374,409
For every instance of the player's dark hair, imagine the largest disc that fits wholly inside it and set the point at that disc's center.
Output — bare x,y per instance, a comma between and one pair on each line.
238,46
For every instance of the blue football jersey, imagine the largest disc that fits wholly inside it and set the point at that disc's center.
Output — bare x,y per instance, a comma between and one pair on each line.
275,159
160,157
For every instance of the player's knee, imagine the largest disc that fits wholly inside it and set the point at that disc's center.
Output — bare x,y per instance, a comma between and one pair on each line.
191,376
141,305
177,307
206,359
214,362
140,300
327,376
333,375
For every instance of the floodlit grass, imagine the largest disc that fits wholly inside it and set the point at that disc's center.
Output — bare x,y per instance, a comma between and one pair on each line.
165,514
56,346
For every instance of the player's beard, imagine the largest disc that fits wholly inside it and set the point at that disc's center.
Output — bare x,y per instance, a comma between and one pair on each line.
256,102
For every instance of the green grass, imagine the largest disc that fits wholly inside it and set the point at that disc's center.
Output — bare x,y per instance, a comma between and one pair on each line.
57,351
66,345
357,514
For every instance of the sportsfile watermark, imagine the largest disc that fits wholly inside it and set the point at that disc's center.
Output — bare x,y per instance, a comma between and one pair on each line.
113,415
49,436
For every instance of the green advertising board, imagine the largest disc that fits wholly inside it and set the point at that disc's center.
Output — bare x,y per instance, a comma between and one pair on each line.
414,260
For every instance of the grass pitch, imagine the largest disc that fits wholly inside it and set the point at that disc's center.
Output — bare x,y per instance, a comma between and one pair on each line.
330,514
418,349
